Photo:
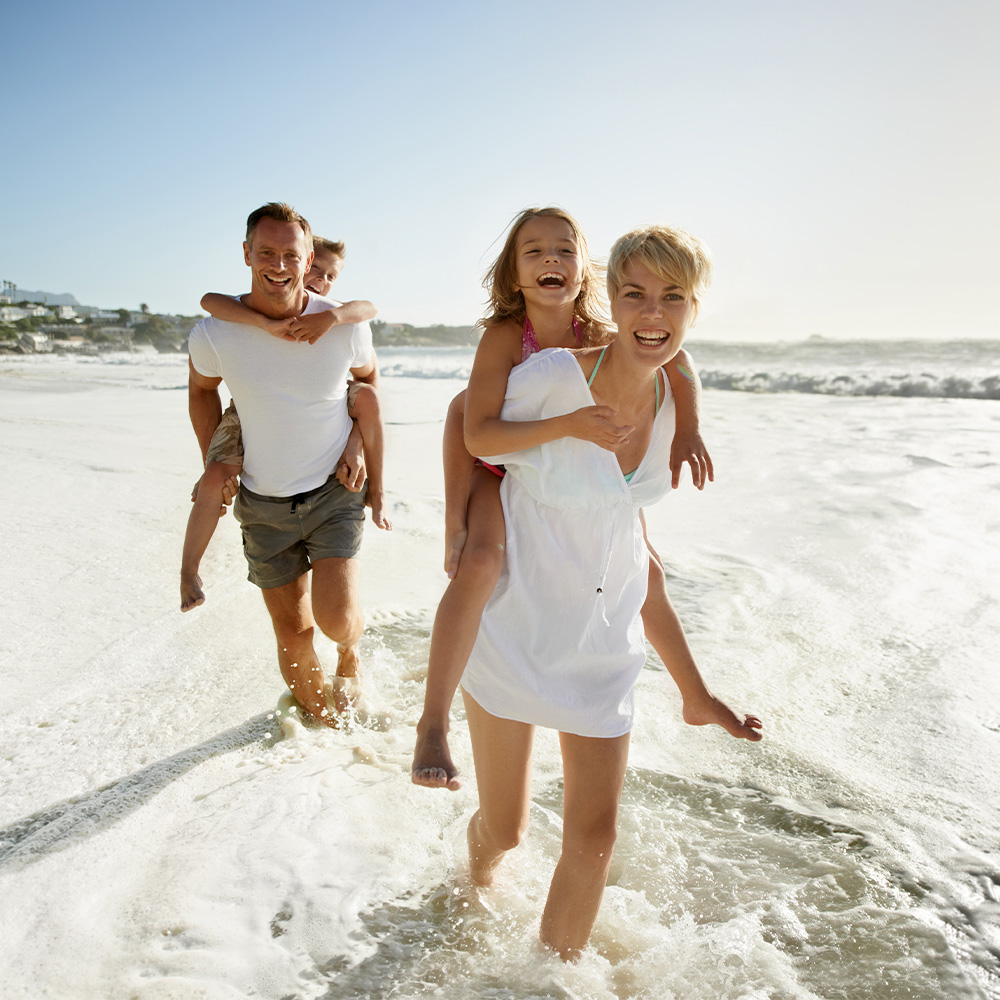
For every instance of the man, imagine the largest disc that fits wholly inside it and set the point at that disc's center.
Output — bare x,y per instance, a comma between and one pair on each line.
296,517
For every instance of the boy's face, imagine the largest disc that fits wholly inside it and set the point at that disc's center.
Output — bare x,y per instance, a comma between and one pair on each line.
652,313
325,270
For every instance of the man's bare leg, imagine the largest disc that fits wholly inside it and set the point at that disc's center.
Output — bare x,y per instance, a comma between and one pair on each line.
337,611
291,616
666,635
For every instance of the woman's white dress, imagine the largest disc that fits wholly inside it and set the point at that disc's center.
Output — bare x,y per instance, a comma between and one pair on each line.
560,644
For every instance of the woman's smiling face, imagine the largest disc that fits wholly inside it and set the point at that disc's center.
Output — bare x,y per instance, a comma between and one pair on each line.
652,313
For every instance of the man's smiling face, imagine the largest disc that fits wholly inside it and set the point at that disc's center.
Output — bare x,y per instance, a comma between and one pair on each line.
278,258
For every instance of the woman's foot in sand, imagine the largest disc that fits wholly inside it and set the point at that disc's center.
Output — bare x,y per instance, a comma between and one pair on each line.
712,710
191,593
432,765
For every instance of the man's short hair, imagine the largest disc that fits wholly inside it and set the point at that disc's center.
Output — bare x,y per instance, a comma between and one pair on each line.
336,247
280,211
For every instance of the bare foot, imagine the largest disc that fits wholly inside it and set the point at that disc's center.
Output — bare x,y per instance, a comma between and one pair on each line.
377,504
191,593
345,695
292,706
346,702
432,766
713,710
454,543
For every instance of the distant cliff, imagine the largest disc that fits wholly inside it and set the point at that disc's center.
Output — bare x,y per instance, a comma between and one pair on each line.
46,298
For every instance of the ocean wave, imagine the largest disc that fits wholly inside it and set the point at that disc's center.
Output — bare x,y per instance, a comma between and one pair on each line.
922,385
426,367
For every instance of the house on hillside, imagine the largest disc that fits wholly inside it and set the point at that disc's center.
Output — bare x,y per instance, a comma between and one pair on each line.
34,343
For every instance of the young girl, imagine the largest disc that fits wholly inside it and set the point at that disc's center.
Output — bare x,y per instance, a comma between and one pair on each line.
544,292
560,643
224,460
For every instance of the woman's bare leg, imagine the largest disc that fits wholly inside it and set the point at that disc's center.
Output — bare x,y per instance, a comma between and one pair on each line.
501,750
456,625
593,773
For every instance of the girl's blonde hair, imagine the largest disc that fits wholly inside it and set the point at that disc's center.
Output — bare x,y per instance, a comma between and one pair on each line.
671,254
506,300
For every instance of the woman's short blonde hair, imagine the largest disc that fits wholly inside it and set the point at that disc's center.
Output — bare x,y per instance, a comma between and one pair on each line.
671,254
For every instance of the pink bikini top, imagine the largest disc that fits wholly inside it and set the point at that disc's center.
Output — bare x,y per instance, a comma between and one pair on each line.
529,342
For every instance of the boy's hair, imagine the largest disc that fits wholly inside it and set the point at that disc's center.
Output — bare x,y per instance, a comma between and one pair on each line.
671,254
507,300
336,247
280,211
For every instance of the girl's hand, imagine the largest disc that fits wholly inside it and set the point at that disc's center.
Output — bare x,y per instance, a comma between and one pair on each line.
598,424
689,447
280,328
308,329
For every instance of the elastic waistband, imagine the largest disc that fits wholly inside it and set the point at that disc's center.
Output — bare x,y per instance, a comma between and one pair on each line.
294,499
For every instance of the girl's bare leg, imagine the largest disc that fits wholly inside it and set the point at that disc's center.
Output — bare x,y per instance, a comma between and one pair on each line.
458,466
363,406
593,773
456,625
205,513
501,750
666,635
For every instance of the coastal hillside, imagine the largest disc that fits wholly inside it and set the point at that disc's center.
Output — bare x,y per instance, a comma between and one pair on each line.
43,321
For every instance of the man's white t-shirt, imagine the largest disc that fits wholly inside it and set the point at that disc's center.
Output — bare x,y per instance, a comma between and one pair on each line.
291,397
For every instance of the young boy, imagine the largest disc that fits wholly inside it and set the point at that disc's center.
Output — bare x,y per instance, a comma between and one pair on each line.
224,460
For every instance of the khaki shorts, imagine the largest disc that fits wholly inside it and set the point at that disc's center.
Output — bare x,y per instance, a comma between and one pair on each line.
227,441
284,536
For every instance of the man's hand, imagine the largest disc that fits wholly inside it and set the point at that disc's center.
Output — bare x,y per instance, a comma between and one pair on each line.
351,467
229,490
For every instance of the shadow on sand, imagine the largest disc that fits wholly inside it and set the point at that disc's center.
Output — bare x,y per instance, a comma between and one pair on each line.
85,815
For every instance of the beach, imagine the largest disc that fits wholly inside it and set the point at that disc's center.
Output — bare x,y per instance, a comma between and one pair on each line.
165,834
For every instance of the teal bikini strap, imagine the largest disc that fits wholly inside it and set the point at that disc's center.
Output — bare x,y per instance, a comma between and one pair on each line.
593,374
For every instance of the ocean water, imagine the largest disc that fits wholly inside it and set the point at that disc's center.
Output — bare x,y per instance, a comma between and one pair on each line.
165,833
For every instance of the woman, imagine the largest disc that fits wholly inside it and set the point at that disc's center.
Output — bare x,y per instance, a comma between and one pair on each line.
561,643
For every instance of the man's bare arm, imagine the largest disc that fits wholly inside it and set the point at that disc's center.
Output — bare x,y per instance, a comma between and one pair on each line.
204,406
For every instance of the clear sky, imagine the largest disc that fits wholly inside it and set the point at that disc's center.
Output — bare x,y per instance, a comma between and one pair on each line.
840,159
